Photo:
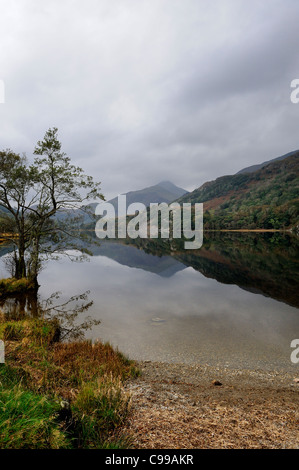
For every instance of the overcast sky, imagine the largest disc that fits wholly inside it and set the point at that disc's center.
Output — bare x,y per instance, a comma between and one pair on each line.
148,90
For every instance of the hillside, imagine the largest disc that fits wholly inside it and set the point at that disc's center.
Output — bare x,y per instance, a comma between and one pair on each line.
264,199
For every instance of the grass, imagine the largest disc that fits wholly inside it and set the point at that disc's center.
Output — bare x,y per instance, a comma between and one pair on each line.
28,421
100,405
60,395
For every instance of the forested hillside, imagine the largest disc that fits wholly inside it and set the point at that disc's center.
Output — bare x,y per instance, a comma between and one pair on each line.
264,199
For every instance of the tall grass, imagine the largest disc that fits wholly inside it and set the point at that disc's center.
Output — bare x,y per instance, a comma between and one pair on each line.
28,421
40,372
100,407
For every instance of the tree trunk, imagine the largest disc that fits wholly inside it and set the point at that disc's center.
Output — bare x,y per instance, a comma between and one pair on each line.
34,262
19,259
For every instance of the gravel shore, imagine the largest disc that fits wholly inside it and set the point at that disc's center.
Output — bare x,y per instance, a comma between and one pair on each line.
180,406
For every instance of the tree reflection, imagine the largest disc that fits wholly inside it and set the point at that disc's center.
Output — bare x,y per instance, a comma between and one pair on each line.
66,312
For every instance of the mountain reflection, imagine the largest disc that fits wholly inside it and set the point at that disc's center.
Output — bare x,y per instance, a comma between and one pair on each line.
263,263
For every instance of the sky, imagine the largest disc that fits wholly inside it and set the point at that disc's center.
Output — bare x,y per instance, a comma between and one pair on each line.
149,90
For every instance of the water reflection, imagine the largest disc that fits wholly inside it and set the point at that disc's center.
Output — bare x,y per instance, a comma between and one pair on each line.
264,263
232,302
67,312
20,306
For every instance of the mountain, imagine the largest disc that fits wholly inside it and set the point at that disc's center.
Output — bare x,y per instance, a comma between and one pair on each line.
3,212
161,192
251,169
264,199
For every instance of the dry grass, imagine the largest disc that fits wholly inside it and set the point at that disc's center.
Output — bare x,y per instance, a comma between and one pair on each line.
93,359
59,368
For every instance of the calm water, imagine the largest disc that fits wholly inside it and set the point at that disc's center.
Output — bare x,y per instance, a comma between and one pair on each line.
234,302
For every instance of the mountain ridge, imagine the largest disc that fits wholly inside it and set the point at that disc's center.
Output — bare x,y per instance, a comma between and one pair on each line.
252,168
267,198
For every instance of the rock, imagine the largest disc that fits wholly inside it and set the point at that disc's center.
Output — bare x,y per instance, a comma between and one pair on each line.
296,381
216,382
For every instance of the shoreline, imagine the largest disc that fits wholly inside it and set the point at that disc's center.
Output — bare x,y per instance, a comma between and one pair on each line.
155,405
178,406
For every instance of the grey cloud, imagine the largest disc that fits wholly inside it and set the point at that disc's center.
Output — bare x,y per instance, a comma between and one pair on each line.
144,91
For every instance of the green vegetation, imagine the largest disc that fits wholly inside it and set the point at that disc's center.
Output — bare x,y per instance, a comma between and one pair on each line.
60,395
28,421
265,199
11,286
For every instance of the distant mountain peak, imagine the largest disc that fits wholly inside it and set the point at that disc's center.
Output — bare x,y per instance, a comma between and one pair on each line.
166,183
165,191
171,186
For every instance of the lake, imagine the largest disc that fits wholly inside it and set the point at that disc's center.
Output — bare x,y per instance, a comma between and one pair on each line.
232,303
